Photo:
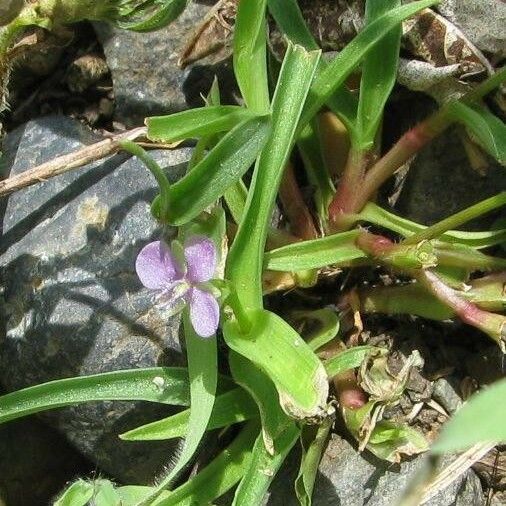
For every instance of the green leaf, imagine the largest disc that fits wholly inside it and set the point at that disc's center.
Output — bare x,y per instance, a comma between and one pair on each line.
327,329
282,354
389,441
348,359
167,385
378,216
250,56
244,265
313,440
333,76
485,128
262,390
196,123
289,18
78,494
164,15
132,495
219,476
459,218
331,250
379,73
480,420
203,372
221,168
229,408
263,468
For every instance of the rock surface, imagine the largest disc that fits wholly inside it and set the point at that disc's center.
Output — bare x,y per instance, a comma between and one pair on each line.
144,66
349,479
26,480
481,20
74,305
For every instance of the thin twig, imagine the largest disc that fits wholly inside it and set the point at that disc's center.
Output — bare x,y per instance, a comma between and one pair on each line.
457,468
69,161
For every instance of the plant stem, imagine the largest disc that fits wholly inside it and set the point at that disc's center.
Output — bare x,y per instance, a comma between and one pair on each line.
405,148
492,324
344,199
457,219
301,221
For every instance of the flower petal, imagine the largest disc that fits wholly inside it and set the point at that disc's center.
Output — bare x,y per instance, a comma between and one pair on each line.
204,312
156,266
200,254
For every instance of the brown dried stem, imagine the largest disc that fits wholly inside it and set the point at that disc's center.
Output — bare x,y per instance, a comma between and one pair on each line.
70,161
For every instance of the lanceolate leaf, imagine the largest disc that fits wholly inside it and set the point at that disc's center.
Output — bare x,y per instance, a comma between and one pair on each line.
480,420
221,168
289,18
156,384
348,359
282,354
333,76
263,468
203,373
262,390
250,58
313,440
219,476
378,216
196,123
246,254
331,250
229,408
379,73
488,130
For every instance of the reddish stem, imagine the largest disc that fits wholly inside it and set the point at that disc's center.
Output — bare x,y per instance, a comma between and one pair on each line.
301,221
492,324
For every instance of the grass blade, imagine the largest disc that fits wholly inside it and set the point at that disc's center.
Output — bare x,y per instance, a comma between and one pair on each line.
481,419
244,264
229,408
167,385
379,73
250,56
195,123
330,250
203,373
222,167
263,467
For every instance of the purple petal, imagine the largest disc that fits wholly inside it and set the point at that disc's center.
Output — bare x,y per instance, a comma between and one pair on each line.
200,255
204,312
156,266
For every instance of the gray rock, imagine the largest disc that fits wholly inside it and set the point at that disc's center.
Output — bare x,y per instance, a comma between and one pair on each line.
74,305
146,76
481,20
27,481
441,182
446,394
349,479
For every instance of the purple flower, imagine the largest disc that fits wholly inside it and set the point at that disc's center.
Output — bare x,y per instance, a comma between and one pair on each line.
181,281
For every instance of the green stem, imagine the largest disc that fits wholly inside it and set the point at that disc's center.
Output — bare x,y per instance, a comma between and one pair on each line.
457,219
157,172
